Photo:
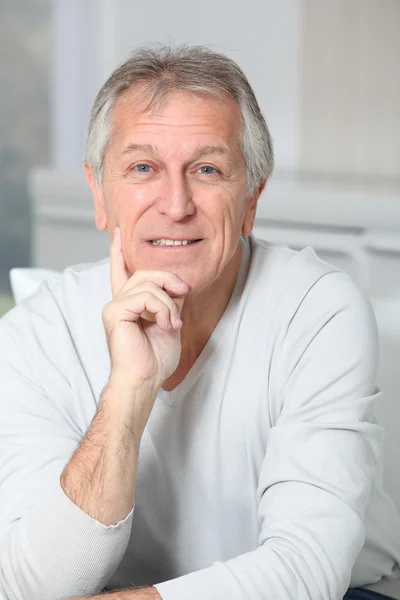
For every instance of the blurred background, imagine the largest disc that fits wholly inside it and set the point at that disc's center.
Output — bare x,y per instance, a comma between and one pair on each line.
327,76
25,56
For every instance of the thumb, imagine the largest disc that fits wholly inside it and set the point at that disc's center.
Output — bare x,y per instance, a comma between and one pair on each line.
118,270
179,303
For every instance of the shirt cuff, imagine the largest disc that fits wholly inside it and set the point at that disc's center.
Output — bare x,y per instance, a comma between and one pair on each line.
74,542
207,584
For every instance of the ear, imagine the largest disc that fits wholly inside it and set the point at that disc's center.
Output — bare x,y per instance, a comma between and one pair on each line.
100,215
251,208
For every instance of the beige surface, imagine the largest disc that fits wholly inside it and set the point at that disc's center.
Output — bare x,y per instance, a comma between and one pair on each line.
350,96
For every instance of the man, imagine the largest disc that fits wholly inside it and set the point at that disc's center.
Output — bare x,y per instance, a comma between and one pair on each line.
192,418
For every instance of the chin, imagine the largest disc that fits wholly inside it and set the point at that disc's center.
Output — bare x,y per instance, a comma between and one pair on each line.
196,280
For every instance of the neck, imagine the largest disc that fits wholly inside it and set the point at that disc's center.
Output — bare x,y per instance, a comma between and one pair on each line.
200,315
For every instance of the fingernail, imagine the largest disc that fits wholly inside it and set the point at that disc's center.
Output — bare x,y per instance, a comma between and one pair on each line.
179,322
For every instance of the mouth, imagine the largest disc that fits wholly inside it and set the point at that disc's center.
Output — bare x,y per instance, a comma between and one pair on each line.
173,243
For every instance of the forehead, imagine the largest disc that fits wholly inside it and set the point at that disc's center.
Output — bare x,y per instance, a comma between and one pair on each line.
181,118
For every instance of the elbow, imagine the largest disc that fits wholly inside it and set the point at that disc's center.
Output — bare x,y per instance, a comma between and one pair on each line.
317,560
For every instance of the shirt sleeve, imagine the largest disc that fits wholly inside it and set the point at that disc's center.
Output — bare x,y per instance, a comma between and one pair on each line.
49,548
320,460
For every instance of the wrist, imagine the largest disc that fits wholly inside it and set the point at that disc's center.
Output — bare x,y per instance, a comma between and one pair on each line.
128,406
121,384
150,593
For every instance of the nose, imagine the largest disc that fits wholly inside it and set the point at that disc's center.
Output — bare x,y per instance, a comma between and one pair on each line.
176,198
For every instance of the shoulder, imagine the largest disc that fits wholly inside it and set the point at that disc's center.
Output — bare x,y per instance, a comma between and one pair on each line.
59,306
285,264
300,278
300,294
85,279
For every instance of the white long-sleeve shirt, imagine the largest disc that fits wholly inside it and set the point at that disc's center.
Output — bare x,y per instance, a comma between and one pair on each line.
259,474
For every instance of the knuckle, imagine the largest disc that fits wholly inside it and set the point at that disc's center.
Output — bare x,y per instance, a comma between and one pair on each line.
152,288
139,274
149,286
143,294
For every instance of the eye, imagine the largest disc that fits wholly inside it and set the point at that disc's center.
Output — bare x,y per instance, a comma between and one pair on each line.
207,170
142,168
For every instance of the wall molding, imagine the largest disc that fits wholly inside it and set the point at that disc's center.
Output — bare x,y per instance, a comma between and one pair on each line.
355,227
330,204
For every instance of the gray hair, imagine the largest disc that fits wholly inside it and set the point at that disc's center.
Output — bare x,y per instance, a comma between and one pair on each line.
193,69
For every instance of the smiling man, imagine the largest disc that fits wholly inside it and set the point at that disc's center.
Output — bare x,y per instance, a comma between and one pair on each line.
175,183
191,418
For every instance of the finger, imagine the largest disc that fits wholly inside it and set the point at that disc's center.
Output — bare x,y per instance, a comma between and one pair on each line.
144,303
174,305
167,280
119,273
179,305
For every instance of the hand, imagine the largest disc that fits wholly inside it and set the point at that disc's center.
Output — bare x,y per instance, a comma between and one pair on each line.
142,322
150,593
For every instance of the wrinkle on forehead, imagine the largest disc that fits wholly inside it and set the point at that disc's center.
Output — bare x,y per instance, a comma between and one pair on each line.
130,111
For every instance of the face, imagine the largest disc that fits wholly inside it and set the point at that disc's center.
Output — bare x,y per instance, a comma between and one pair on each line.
176,173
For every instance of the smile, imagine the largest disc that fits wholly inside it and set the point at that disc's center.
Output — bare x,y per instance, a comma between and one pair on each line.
169,242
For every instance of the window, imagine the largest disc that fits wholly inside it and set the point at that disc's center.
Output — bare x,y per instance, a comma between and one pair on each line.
25,37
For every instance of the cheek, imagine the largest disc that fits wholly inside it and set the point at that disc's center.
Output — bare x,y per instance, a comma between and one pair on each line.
233,210
225,215
127,205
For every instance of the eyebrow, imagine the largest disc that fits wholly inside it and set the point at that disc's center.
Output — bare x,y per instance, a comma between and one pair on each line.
200,151
138,148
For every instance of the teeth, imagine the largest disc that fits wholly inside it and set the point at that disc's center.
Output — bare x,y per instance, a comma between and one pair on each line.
165,242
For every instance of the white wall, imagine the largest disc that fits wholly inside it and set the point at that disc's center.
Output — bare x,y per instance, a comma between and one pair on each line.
350,88
262,36
93,36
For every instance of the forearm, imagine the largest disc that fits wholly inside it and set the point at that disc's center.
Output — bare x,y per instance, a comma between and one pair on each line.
100,478
149,593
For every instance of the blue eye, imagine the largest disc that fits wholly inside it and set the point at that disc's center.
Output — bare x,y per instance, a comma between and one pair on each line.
142,168
206,170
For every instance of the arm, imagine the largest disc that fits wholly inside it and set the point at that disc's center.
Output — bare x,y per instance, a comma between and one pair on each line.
100,478
135,594
56,543
143,340
63,530
49,547
319,463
